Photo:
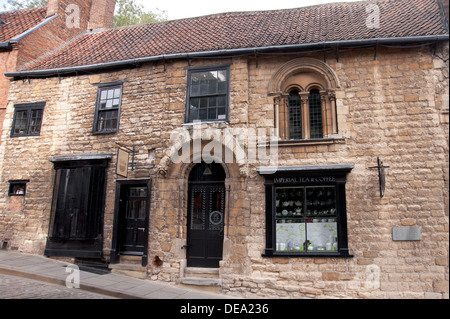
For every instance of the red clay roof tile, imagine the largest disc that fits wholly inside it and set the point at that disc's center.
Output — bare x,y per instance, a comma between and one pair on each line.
315,24
17,22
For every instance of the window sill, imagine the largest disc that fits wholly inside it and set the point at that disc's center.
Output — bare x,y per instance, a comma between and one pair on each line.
344,254
104,132
305,142
206,122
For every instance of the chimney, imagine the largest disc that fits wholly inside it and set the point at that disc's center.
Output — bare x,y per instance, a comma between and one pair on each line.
102,14
93,14
52,7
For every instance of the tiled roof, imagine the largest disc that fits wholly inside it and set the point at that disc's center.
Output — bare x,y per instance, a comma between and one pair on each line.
17,22
229,31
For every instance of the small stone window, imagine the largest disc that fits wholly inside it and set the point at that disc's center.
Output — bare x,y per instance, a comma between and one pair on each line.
17,187
107,111
16,195
27,119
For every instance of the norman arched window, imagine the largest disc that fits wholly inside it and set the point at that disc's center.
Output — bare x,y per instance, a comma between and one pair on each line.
295,115
304,102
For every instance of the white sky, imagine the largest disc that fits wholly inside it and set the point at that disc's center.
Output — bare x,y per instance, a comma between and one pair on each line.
177,9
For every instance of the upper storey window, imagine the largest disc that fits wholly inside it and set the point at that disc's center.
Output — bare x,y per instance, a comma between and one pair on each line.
27,119
207,97
107,110
304,102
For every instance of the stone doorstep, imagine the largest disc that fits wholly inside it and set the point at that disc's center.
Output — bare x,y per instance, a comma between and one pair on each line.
131,259
132,270
201,272
205,279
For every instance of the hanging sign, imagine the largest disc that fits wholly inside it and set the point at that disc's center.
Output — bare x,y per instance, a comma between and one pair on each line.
122,162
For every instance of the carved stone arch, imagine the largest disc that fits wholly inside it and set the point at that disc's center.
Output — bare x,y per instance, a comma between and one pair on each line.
293,87
182,168
302,65
315,85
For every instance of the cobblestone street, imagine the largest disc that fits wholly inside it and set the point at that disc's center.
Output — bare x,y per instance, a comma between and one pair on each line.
12,287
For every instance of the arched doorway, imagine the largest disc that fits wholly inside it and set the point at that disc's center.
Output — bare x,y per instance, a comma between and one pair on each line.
206,215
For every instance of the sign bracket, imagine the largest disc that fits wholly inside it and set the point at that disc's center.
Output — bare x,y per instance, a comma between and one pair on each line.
131,151
381,176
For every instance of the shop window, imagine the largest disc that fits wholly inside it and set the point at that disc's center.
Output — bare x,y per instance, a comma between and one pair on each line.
207,94
27,119
306,211
107,111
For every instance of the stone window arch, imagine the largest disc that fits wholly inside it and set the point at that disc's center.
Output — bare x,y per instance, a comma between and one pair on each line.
304,100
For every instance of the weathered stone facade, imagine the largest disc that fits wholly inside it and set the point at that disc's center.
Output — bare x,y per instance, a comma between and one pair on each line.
394,106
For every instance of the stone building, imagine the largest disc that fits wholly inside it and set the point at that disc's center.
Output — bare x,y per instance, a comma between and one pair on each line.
298,153
30,33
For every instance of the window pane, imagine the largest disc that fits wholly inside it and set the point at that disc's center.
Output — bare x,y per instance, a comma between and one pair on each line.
20,124
36,121
202,115
198,210
117,93
212,101
107,120
221,100
203,102
110,94
212,114
195,103
295,115
315,114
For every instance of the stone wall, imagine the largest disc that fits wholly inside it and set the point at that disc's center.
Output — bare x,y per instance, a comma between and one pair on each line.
394,107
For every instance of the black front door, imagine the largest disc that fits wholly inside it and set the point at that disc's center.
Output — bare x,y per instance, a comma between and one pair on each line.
134,211
206,215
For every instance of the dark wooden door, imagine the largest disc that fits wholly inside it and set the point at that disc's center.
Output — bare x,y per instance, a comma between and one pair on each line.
205,224
134,211
76,224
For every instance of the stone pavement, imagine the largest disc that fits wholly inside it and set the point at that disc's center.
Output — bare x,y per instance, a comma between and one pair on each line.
110,284
14,287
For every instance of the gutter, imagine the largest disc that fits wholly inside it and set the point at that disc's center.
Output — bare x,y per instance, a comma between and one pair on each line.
240,51
5,45
37,26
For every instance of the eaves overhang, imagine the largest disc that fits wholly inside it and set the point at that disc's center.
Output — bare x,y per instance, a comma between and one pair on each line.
226,52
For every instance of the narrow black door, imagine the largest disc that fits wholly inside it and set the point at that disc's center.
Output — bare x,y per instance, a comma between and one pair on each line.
206,212
133,209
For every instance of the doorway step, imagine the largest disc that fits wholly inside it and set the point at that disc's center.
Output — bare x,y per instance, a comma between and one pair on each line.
205,279
131,266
